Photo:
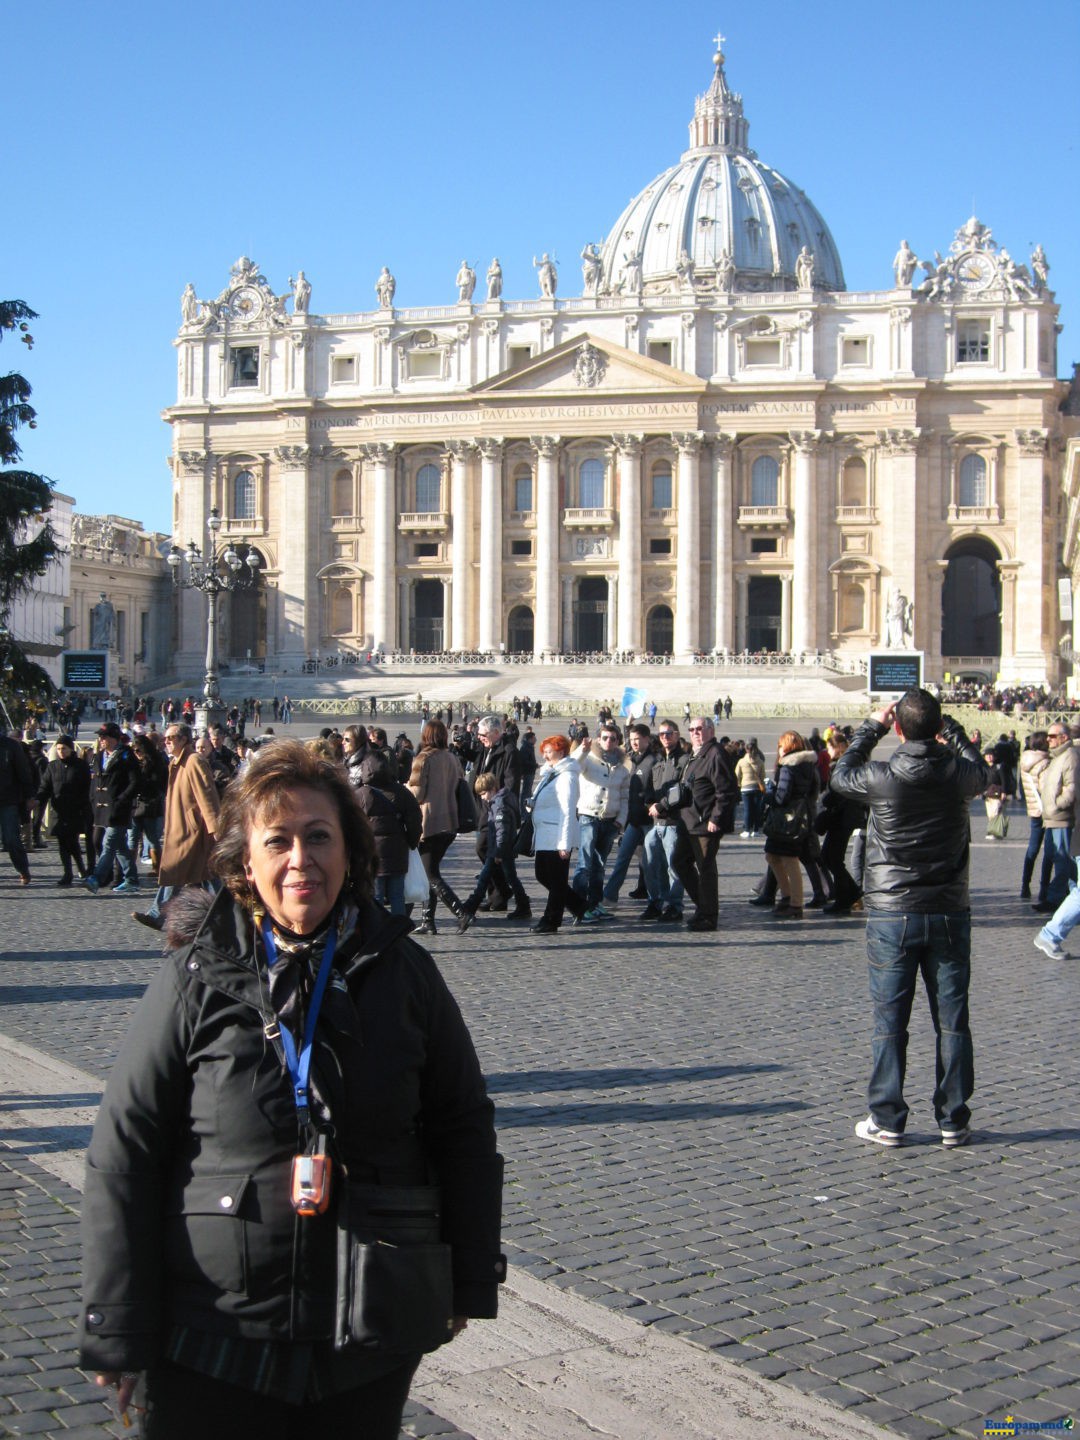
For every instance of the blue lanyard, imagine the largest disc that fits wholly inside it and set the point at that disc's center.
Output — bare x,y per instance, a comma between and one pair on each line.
299,1065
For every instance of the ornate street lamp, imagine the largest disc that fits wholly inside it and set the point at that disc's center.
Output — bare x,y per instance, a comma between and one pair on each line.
212,572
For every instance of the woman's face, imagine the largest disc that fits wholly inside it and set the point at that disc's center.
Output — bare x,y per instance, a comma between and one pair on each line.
297,861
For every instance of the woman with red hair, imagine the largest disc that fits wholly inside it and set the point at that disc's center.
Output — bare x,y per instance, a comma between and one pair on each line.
556,831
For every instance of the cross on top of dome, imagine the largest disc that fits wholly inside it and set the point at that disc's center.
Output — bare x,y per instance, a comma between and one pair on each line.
719,123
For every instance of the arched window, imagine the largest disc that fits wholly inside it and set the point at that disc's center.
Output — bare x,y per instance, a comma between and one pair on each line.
427,489
342,612
660,630
523,489
661,486
971,490
765,481
243,506
342,497
853,482
591,485
852,608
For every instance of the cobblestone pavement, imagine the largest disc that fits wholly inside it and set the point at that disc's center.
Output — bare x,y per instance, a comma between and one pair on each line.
677,1111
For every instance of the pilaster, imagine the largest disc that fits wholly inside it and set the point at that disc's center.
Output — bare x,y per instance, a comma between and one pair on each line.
491,510
723,529
299,623
546,632
628,634
383,547
460,452
688,562
803,503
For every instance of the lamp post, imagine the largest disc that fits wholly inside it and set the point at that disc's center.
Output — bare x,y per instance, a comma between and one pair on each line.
212,572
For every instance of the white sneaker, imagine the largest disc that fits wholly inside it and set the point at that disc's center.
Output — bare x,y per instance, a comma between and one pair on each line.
1049,947
867,1130
952,1137
744,835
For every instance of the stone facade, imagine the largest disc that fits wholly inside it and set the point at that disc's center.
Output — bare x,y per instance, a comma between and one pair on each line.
713,447
117,558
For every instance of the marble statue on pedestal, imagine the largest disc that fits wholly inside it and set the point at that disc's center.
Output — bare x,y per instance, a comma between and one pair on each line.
905,262
103,624
385,286
547,275
494,280
465,281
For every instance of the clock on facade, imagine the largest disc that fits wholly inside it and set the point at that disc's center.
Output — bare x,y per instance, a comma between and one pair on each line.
245,303
975,270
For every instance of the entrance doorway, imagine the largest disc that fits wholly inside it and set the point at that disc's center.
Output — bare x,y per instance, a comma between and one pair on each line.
427,621
590,614
763,601
971,600
660,630
519,630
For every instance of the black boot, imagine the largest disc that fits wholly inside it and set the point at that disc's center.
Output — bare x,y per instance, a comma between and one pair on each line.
448,898
427,916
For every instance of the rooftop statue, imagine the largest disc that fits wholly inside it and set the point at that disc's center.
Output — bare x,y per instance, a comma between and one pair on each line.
547,275
591,269
804,269
725,270
301,293
684,270
630,275
465,281
1040,268
905,263
385,286
494,280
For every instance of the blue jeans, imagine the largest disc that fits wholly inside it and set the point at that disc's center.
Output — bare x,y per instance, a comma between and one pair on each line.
1064,917
505,867
898,947
1058,840
390,891
631,838
1035,840
115,848
597,838
664,886
12,840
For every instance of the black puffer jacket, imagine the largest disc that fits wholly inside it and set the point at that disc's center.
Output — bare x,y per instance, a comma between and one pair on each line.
66,787
392,811
713,795
186,1213
918,836
797,779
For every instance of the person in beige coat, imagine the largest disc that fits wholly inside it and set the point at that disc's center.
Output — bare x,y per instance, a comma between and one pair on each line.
1058,793
434,779
191,817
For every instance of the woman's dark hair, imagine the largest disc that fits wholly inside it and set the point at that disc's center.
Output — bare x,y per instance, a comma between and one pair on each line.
357,734
434,736
380,735
274,774
1037,741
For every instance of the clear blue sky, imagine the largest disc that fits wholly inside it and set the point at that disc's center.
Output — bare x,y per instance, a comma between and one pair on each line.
150,145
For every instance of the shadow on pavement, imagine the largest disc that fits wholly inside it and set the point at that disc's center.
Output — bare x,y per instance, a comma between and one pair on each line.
611,1079
632,1113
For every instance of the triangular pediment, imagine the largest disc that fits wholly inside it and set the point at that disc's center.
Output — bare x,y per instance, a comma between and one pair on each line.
585,365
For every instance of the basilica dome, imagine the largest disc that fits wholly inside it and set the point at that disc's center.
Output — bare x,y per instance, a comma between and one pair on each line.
719,220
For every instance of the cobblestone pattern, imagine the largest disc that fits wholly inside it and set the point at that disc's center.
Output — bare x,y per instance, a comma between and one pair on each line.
677,1111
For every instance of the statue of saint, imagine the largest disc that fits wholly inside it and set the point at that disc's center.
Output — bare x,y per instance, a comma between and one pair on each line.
899,620
684,270
1040,268
725,270
103,624
494,280
904,262
301,288
385,286
465,281
189,305
630,278
804,269
547,275
591,269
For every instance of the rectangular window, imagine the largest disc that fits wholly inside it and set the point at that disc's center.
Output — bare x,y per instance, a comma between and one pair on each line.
660,350
522,493
518,355
855,350
659,547
972,342
243,366
661,490
763,546
763,352
425,365
426,550
344,369
520,547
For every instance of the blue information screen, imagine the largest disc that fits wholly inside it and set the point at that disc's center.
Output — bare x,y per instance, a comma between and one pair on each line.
894,673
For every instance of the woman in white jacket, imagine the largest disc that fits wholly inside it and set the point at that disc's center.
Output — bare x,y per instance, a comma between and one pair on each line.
555,832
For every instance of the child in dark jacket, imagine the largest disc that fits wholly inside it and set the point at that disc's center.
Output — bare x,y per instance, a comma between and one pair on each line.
500,820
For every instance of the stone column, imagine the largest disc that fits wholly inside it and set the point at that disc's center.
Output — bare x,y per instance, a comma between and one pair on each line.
1010,571
298,629
1036,591
741,611
785,613
460,452
546,631
688,564
611,636
723,522
628,635
566,613
383,547
491,523
804,590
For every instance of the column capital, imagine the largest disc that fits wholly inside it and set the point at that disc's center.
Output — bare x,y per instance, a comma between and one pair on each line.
491,447
628,444
193,462
689,442
380,451
805,441
899,442
460,449
1030,442
722,444
546,446
294,456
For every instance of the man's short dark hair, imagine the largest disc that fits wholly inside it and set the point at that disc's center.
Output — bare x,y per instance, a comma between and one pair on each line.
640,728
918,714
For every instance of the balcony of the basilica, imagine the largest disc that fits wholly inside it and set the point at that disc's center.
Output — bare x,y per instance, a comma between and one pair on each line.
974,515
856,515
523,517
751,516
430,522
664,515
589,519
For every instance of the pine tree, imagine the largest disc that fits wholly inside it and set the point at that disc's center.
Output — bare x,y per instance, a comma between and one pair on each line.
27,541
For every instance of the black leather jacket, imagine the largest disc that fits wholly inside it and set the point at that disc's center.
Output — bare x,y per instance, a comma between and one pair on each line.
186,1214
918,836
